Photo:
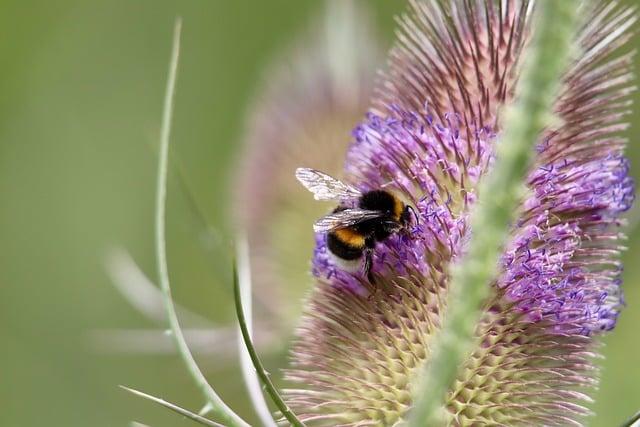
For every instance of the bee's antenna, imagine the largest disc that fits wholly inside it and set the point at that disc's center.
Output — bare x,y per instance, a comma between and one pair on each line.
415,215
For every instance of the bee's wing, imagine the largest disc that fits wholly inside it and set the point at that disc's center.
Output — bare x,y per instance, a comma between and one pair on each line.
325,187
344,218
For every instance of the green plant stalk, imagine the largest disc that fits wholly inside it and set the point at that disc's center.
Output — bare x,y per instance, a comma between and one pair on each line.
634,421
175,408
249,374
219,408
499,195
257,363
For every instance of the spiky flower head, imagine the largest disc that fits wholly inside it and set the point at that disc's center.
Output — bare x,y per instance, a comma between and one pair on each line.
429,137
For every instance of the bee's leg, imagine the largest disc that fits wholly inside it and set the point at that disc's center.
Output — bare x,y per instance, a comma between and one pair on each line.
368,260
370,244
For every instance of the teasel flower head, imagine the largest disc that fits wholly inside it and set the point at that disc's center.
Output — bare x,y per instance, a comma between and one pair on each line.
303,115
429,136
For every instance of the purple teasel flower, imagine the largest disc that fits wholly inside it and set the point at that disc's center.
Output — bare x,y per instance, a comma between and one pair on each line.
429,137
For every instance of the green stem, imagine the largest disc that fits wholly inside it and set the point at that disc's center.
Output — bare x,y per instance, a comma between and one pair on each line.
175,408
219,407
251,380
257,363
500,193
633,421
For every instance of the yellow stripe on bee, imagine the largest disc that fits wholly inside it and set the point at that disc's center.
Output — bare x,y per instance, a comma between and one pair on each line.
350,237
398,207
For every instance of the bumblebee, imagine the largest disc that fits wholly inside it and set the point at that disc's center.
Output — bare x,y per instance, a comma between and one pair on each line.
360,220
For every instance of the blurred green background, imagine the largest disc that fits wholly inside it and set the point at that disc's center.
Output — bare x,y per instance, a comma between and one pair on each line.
81,86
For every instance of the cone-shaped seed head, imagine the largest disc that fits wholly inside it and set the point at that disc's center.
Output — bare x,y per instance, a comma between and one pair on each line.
429,137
